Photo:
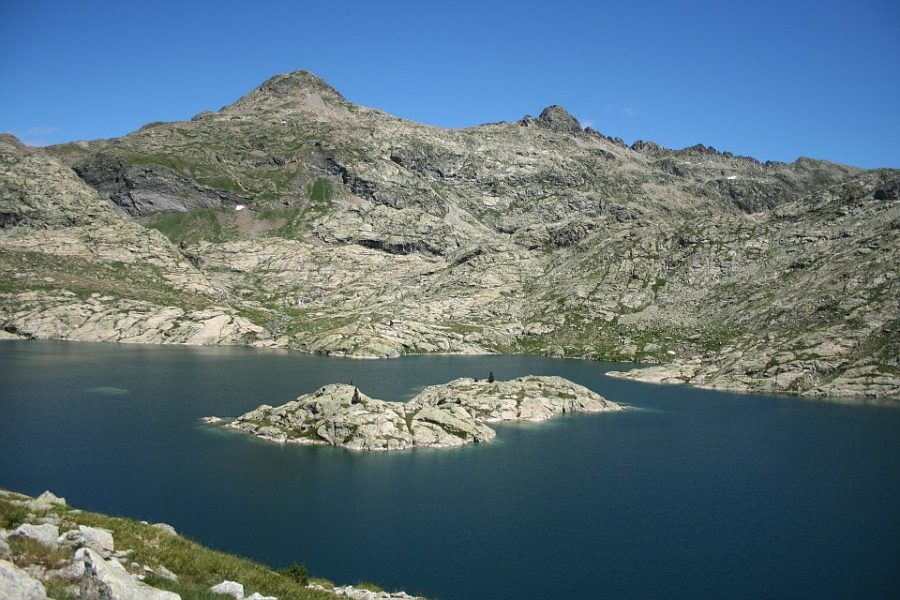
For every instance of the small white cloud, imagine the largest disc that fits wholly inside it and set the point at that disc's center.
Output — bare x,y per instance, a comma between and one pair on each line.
586,123
622,109
34,136
40,130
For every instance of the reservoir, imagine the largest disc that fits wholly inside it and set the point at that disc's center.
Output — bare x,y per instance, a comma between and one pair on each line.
687,494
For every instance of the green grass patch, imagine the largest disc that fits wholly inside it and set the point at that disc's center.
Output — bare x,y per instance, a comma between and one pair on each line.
82,276
322,191
191,227
31,552
11,515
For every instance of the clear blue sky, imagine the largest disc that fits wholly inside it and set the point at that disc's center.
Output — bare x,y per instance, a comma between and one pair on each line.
775,80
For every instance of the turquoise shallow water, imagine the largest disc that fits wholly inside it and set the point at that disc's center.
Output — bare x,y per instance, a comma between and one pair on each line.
694,494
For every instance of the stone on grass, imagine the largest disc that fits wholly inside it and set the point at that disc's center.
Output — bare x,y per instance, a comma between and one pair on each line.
165,527
45,534
16,584
109,580
46,500
98,539
229,588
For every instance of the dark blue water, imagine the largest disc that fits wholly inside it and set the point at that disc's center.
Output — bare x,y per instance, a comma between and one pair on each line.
693,494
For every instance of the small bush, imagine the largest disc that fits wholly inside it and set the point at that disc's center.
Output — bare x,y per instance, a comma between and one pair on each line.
297,573
12,515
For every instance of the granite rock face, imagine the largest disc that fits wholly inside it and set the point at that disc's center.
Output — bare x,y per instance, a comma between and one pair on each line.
441,416
294,218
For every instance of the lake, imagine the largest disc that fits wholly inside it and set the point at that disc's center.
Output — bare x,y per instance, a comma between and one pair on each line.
689,494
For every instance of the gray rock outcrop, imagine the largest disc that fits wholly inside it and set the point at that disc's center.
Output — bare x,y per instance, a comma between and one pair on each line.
441,416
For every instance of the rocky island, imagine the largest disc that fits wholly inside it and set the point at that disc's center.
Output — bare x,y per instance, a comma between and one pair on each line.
441,416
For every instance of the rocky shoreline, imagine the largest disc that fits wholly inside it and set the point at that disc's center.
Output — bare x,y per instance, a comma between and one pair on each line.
441,416
48,551
863,385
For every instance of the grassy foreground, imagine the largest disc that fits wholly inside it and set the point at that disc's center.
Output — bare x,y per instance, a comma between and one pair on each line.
198,568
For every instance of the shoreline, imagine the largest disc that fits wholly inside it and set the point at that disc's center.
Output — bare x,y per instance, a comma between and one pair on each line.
668,373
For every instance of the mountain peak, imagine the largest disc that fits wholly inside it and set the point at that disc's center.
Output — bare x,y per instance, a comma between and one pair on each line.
297,83
290,91
556,118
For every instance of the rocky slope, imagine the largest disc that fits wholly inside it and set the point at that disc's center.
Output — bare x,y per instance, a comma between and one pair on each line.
49,550
71,267
294,218
441,416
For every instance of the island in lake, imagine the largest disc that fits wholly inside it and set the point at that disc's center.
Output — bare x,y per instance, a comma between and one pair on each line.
441,416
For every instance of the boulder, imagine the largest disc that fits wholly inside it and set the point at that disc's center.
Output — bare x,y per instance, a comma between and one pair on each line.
109,580
98,539
16,584
45,534
165,527
46,500
229,588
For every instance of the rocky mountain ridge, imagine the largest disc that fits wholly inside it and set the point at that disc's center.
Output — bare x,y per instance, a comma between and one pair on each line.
294,218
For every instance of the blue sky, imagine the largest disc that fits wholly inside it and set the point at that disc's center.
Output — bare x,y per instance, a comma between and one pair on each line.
774,80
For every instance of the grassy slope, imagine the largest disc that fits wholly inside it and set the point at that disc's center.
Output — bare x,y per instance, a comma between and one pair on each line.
198,568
